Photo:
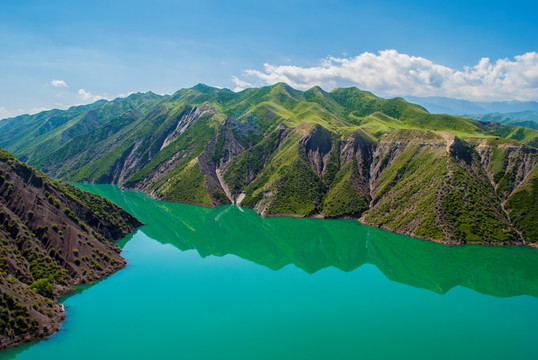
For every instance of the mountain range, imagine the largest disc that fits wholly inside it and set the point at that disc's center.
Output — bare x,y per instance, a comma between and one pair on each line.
444,105
281,151
525,118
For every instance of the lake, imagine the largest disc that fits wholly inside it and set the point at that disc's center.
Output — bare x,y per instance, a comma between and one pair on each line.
226,283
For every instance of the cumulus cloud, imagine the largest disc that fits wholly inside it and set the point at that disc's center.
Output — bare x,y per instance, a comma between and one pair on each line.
36,110
390,73
58,83
124,95
87,96
241,84
4,113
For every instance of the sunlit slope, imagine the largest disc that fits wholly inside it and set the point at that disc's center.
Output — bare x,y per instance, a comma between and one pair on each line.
281,151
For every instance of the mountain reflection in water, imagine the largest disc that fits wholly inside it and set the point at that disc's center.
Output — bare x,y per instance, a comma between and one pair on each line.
314,244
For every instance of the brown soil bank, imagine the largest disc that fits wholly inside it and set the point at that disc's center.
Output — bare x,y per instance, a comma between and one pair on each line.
52,236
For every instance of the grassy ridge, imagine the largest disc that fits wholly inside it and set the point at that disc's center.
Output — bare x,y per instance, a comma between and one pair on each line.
521,134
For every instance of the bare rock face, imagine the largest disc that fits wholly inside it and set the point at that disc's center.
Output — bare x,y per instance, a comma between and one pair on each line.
137,156
214,160
317,146
507,164
53,236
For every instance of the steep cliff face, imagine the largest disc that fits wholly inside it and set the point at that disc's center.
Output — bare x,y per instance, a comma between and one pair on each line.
53,236
175,148
406,174
165,126
523,207
317,145
216,158
348,179
507,164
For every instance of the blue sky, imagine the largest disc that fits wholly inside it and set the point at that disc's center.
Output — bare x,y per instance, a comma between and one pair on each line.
110,48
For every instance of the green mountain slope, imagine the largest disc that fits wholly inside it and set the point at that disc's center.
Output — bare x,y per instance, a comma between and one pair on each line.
523,207
52,237
344,153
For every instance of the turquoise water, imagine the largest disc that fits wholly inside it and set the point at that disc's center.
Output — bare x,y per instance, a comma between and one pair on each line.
227,284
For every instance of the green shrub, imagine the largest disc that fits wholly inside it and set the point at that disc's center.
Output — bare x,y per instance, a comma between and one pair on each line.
43,287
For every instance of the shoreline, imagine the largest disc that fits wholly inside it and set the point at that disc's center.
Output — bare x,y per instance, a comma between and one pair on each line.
446,242
59,316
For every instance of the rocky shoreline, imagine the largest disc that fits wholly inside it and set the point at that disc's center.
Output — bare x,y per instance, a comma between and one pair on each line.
58,314
448,242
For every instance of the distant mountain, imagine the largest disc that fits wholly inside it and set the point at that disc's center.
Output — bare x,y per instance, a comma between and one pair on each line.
52,236
526,118
344,153
443,105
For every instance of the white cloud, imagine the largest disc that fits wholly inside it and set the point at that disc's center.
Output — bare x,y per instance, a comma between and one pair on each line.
393,74
4,113
36,110
87,96
58,83
84,97
241,84
124,95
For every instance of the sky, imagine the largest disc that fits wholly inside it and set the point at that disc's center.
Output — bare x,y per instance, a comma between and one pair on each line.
55,54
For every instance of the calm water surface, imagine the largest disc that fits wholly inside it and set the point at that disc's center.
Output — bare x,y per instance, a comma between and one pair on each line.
227,284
